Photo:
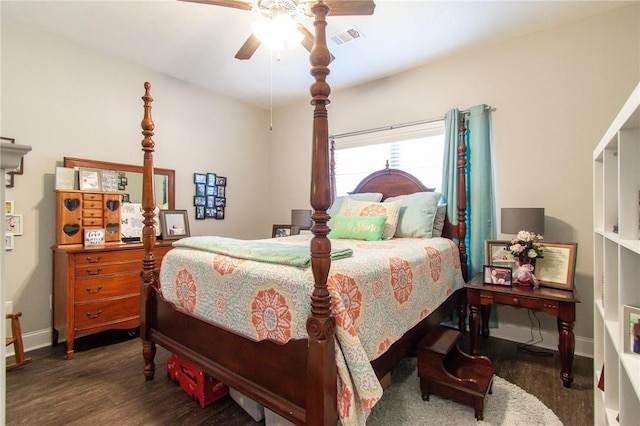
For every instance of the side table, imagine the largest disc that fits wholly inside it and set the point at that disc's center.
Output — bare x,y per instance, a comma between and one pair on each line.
559,303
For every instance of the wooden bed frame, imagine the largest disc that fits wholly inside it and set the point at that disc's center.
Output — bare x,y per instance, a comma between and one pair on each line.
304,388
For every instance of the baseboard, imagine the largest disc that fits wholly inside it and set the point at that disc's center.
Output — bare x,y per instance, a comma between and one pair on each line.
518,333
515,333
32,340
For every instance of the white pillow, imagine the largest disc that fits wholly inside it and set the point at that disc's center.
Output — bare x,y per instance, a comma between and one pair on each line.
438,222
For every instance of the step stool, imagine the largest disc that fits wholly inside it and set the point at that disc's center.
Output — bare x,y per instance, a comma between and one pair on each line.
446,371
16,340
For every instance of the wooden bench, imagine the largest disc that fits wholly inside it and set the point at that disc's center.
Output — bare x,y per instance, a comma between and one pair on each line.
446,371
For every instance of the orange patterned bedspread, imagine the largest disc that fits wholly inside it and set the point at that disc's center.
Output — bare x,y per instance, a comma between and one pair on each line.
380,292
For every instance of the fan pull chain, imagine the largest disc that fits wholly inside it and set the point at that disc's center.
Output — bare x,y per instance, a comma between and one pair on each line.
271,89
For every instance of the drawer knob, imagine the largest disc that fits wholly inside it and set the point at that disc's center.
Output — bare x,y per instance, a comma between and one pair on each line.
94,316
94,259
96,272
515,301
97,290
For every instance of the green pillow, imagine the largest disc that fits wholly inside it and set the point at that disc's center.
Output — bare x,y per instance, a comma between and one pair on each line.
368,228
417,214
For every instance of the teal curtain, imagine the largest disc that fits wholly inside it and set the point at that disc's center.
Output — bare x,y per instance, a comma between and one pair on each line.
479,177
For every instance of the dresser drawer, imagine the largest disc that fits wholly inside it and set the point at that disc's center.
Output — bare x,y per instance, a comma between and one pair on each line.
95,222
90,315
98,288
92,205
99,257
518,302
99,270
92,196
91,213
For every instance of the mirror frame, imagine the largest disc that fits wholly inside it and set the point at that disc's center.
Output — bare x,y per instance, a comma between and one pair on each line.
106,165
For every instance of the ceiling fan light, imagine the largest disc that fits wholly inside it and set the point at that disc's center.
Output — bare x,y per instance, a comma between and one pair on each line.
279,33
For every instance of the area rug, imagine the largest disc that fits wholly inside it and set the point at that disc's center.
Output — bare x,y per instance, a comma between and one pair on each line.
508,405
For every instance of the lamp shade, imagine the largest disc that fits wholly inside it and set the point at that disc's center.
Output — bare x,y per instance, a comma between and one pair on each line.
514,220
301,218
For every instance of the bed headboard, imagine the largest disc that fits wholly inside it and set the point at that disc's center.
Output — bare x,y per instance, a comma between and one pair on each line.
391,183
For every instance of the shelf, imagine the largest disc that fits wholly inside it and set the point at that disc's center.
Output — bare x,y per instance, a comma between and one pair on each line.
616,268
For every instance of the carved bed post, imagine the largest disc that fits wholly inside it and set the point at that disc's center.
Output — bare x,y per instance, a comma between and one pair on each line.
148,233
462,200
321,366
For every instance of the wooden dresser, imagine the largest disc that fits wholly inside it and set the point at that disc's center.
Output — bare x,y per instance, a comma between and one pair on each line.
96,289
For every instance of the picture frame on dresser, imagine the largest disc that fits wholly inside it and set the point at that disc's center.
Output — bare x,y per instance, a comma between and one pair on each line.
631,318
497,275
174,224
90,179
557,267
279,231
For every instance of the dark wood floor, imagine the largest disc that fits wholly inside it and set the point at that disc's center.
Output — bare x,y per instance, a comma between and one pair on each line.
103,385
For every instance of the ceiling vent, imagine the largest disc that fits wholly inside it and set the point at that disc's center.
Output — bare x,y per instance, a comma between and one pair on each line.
348,35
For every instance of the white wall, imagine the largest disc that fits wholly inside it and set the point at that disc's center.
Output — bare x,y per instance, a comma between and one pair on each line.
66,100
555,94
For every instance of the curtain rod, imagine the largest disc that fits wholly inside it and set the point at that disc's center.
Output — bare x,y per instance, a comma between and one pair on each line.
397,126
391,127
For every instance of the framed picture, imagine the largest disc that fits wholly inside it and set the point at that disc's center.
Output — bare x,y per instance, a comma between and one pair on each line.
174,224
90,179
199,201
211,201
94,237
211,179
8,207
210,212
221,181
282,231
14,224
219,213
558,266
109,181
200,189
492,249
8,242
497,275
200,178
303,230
631,318
220,201
211,190
221,191
200,212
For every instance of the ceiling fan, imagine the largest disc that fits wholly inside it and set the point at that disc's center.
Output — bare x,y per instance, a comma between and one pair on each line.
274,9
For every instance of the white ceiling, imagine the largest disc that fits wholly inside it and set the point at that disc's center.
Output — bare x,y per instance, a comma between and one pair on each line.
196,43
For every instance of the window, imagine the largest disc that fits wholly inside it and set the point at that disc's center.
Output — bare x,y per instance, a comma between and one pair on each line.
417,149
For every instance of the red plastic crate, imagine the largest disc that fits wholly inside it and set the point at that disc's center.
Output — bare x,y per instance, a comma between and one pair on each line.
198,385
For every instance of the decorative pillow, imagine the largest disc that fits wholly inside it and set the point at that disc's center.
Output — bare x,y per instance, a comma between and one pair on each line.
337,203
367,228
417,214
363,208
438,222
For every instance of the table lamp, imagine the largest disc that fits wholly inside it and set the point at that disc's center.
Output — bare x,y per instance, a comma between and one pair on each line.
301,218
514,220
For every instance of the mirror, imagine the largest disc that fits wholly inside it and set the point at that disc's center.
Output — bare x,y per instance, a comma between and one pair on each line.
164,180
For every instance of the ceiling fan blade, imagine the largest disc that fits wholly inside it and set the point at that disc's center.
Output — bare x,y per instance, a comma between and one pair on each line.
349,7
308,39
236,4
248,48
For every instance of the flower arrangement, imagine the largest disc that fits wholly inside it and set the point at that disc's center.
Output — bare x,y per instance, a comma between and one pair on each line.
526,245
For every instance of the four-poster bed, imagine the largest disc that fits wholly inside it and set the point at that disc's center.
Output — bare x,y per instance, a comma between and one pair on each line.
296,378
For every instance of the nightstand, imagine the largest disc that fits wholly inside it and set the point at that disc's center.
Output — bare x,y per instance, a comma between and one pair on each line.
559,303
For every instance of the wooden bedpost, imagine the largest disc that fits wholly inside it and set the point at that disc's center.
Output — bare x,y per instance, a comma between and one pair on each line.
462,200
148,232
321,398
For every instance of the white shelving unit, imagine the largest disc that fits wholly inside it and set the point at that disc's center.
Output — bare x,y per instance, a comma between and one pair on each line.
616,222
